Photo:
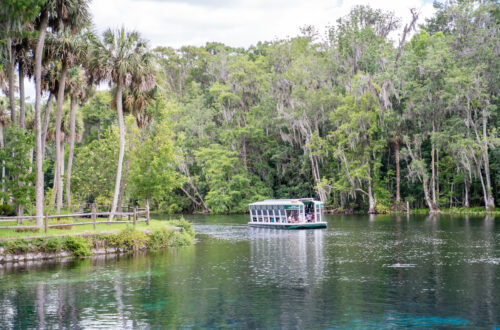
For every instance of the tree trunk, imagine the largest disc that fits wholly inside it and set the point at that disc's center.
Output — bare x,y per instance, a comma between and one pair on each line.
398,175
72,118
60,191
432,207
3,164
244,152
59,155
54,185
433,171
121,125
22,107
46,120
317,177
99,130
466,197
22,115
38,126
489,201
11,74
123,184
451,195
372,201
437,175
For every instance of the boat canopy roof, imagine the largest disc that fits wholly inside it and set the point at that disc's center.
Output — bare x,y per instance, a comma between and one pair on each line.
285,201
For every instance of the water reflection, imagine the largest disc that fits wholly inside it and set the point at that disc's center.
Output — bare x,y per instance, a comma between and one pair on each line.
409,271
287,258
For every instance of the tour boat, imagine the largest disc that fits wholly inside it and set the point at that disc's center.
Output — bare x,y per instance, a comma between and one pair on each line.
303,213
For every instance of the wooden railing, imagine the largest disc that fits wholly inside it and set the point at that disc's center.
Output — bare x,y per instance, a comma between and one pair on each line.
136,216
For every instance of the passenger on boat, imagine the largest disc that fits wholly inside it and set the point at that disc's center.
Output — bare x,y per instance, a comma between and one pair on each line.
309,217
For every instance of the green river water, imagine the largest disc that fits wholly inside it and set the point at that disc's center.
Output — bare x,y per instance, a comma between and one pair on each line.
360,272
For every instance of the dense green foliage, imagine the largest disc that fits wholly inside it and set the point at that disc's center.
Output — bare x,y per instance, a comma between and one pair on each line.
356,119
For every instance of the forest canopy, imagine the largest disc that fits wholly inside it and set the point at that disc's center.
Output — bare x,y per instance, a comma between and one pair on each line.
360,120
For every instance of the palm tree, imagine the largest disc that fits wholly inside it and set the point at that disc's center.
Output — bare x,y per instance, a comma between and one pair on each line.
25,68
69,50
58,13
122,58
49,84
77,89
4,120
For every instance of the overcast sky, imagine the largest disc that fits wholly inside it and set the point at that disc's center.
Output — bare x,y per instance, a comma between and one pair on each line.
237,23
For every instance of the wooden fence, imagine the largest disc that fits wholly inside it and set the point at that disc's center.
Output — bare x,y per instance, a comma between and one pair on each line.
136,216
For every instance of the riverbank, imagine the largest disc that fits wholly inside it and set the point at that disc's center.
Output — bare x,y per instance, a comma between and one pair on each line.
424,211
28,246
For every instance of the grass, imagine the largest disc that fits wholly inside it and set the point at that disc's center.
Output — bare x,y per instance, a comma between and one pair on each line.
123,237
101,228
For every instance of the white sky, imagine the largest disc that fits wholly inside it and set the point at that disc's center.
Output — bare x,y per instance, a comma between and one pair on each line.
237,23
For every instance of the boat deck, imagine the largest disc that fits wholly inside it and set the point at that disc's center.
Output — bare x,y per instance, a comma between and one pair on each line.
313,225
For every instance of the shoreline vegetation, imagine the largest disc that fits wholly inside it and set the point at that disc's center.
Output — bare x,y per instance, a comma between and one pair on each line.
449,211
28,246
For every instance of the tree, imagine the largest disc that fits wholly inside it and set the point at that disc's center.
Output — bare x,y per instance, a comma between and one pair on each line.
153,172
69,49
17,162
58,13
231,188
122,58
77,90
93,174
358,142
426,61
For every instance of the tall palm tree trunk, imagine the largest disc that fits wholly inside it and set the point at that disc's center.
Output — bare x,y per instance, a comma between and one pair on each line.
121,125
11,75
72,118
38,127
2,188
60,101
22,107
60,191
46,119
22,116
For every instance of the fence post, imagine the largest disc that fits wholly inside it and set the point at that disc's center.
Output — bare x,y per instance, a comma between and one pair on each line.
128,211
46,222
110,214
135,215
94,215
147,211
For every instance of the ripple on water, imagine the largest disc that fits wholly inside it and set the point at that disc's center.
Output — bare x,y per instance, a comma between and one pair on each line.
398,265
488,260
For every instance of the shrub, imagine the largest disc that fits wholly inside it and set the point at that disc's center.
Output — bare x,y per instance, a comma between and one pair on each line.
26,230
160,238
78,245
184,224
181,238
17,246
130,239
6,210
52,244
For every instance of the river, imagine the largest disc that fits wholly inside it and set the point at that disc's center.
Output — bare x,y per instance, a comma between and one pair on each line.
361,272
